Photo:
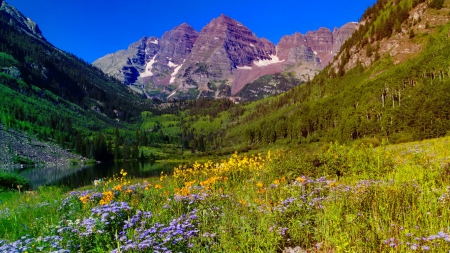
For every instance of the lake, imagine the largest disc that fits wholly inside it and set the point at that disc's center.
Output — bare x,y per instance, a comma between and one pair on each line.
74,177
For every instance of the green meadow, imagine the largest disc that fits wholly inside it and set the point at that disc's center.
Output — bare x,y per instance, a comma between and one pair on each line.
337,198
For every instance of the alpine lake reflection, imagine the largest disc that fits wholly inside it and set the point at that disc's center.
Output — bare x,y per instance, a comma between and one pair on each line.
74,177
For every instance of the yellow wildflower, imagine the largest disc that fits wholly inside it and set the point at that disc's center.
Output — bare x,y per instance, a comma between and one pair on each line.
301,179
85,199
261,191
332,184
107,197
117,187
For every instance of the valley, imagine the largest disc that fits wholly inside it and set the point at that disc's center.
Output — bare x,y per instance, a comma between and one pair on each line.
332,141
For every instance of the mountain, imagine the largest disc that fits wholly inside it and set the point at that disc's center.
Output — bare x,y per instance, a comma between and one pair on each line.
220,60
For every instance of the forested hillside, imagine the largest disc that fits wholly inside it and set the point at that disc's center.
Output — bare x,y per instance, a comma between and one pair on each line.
54,95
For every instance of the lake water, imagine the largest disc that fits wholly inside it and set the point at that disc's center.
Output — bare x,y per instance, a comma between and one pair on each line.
74,177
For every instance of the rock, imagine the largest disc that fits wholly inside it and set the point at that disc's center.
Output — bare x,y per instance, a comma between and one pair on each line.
294,250
12,71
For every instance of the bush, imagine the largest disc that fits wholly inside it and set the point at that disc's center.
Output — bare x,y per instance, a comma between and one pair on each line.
12,180
437,4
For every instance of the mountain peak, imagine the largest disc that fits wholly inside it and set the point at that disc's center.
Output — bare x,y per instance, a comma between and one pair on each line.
224,18
184,27
20,21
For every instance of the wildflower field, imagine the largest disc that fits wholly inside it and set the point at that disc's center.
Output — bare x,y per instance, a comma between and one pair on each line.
338,199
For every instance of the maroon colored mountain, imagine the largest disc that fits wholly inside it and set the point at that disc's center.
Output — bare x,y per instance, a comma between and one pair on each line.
223,47
219,60
323,42
175,46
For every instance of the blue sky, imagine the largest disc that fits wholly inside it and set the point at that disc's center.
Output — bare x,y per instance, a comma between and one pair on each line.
91,29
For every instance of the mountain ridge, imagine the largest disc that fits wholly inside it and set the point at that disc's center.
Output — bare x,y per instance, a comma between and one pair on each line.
222,58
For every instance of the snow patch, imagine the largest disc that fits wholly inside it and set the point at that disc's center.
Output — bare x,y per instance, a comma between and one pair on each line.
244,67
173,93
148,68
175,72
216,38
315,52
252,45
154,42
171,64
262,63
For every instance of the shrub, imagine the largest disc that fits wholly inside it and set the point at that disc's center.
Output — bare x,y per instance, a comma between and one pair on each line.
12,180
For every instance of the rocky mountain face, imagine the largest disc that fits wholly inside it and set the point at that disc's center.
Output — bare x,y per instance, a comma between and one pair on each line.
324,43
127,65
223,47
174,48
21,22
219,60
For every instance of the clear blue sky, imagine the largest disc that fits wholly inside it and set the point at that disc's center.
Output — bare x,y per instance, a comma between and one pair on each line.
91,29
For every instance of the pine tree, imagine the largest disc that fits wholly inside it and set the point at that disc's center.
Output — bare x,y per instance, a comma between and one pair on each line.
135,152
201,144
126,151
116,144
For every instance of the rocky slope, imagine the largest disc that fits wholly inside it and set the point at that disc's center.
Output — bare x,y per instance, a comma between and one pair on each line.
219,60
400,45
16,146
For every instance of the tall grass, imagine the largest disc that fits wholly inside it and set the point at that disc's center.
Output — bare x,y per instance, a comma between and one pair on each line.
338,199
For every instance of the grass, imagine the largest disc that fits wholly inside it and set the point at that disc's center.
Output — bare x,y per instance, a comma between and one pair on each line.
338,198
